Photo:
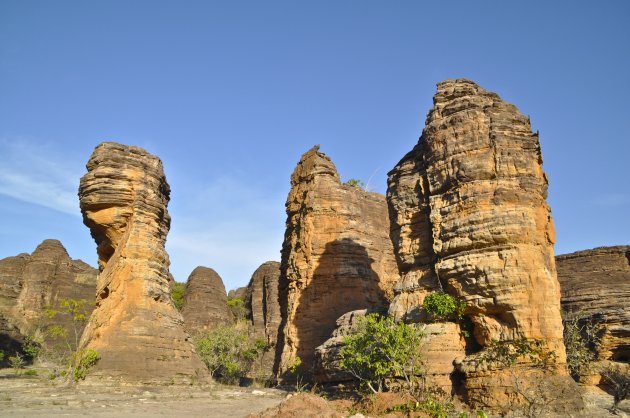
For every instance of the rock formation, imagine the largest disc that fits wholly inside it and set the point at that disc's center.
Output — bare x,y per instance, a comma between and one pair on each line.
468,215
262,312
135,327
32,284
261,301
205,301
595,285
336,257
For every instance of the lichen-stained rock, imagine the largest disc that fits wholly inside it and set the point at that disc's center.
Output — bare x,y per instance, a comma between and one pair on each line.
205,301
32,284
596,284
467,208
336,257
135,327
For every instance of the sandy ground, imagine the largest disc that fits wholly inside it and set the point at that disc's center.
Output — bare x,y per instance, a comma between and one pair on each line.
36,396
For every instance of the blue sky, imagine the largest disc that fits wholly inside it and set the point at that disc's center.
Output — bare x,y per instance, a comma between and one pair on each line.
230,94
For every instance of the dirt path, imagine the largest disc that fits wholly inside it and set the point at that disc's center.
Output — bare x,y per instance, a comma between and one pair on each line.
36,396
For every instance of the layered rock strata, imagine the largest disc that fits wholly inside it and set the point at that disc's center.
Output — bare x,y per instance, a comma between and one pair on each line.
468,216
336,257
262,310
595,286
205,301
135,327
33,286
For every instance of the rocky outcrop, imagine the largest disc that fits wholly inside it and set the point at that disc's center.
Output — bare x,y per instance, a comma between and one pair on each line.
262,312
336,257
468,215
205,301
32,285
595,285
135,327
261,302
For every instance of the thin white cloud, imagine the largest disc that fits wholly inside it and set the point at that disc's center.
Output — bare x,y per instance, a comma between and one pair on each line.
35,173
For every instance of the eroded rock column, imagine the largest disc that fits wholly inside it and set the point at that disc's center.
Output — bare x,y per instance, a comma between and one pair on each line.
205,301
337,257
135,327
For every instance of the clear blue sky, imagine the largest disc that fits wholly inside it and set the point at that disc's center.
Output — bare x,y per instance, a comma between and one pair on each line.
230,94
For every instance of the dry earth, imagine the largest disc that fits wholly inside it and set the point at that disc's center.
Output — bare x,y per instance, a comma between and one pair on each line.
36,396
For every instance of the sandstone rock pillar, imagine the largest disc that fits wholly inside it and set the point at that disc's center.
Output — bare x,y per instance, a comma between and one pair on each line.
135,327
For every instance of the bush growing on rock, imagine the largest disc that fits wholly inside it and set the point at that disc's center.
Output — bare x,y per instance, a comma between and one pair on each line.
379,348
581,340
443,307
355,183
177,294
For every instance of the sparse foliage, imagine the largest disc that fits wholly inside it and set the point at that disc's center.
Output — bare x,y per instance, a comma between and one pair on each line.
82,362
355,183
581,339
177,294
17,362
237,307
378,348
228,352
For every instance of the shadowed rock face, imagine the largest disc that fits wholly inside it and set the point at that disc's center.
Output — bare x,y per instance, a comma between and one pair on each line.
205,301
468,214
336,257
29,284
135,326
261,301
596,284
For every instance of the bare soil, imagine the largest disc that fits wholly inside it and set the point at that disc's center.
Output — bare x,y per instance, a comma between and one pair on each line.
37,396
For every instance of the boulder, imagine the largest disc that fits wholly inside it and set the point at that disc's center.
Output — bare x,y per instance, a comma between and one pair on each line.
336,257
469,217
135,327
205,301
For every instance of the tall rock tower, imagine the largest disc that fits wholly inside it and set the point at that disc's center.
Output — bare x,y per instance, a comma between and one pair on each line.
469,216
135,327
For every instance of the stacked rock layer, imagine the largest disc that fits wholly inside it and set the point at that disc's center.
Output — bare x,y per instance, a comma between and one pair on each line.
135,327
596,286
336,257
205,301
469,216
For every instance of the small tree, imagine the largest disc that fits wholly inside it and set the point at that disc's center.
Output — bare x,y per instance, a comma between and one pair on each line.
237,307
581,339
378,348
227,351
177,294
355,183
77,311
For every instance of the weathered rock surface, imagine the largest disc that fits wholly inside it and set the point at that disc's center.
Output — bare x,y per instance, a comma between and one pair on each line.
31,284
468,214
205,301
328,355
596,284
336,257
135,327
261,301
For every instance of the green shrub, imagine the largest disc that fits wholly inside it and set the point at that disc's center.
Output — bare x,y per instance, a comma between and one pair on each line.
443,307
1,355
227,351
82,362
507,353
237,307
30,372
17,362
31,348
378,348
355,183
177,294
